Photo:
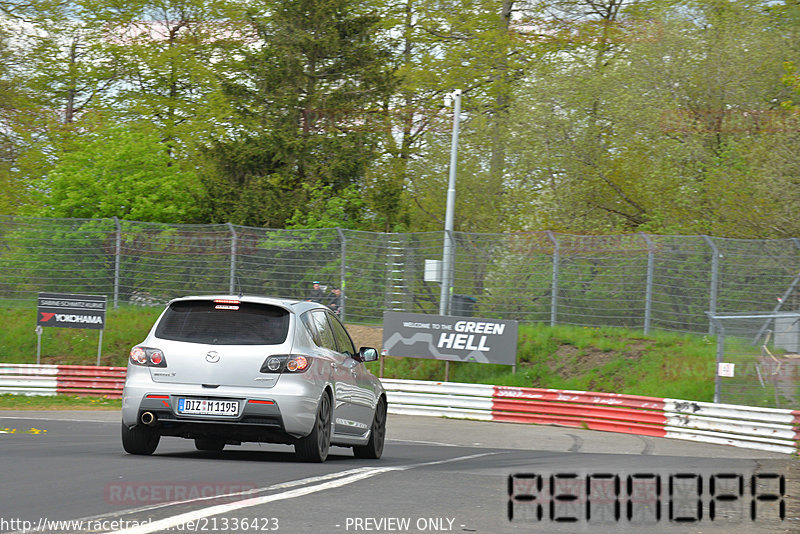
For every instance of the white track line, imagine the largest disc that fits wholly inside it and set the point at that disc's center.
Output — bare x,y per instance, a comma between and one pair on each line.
58,419
180,519
418,442
234,495
255,491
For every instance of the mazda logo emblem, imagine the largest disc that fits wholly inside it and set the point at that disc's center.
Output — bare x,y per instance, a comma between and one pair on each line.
212,357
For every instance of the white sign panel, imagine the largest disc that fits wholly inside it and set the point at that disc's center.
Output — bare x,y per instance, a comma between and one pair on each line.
444,337
726,369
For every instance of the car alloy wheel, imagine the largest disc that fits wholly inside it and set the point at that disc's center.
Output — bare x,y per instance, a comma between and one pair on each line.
315,446
374,447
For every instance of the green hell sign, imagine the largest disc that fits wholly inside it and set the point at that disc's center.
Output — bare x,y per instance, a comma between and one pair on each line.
443,337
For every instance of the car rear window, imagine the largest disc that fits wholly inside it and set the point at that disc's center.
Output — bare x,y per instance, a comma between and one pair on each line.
204,321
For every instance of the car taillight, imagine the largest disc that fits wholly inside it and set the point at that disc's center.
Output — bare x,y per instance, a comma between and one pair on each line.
289,363
156,357
297,364
138,356
148,357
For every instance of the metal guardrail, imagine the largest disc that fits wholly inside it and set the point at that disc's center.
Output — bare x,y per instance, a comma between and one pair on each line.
767,429
83,380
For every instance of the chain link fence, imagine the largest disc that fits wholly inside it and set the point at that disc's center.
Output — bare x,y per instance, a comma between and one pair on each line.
758,359
638,281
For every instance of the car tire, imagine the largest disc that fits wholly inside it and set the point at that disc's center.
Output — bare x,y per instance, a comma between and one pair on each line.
374,447
315,446
139,440
209,444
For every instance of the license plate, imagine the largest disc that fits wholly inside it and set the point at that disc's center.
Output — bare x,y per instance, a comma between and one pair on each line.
208,407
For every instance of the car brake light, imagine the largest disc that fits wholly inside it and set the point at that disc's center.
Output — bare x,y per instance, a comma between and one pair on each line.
226,304
297,364
156,357
290,363
148,357
138,356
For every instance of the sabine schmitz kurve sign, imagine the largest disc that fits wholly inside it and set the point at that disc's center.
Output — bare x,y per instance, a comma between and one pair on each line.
444,337
68,310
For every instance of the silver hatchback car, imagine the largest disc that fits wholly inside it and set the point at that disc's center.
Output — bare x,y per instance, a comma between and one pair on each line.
223,370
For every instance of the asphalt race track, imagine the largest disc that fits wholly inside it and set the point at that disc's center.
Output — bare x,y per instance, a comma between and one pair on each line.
436,475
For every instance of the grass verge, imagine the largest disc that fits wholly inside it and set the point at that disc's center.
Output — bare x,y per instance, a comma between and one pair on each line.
124,327
610,360
57,402
562,357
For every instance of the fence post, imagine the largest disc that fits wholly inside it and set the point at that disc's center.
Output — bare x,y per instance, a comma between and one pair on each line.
342,274
712,306
395,273
778,306
117,251
720,354
232,276
554,284
648,296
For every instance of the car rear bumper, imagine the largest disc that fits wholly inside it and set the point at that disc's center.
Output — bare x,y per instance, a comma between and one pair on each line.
278,414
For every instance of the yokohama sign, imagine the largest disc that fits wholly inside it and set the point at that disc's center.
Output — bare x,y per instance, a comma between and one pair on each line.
71,311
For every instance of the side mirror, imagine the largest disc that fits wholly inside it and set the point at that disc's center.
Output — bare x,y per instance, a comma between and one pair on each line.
367,354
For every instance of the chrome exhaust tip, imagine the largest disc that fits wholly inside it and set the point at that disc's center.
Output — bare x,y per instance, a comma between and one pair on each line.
148,418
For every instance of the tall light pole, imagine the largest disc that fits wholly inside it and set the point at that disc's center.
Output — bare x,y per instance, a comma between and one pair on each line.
448,251
449,246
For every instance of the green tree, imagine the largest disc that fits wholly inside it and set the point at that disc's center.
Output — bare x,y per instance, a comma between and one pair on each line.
119,171
641,121
11,189
171,64
471,46
69,66
95,62
346,209
302,94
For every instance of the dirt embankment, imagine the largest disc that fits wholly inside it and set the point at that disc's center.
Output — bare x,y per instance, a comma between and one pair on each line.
366,336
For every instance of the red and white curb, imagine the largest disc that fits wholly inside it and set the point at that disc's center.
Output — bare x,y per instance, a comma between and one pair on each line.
776,430
766,429
32,379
